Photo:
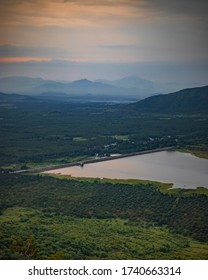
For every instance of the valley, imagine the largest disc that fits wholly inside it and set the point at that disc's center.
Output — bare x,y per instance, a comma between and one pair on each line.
74,218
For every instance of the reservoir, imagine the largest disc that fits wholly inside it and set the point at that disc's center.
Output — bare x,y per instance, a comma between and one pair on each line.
181,169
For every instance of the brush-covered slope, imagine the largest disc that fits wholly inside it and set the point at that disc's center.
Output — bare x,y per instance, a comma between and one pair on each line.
187,101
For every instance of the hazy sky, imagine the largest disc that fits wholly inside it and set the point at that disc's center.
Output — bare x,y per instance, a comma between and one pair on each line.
160,40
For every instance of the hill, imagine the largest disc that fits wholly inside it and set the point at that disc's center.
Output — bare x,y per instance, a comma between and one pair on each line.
83,88
133,82
52,218
19,84
78,87
131,88
187,101
143,86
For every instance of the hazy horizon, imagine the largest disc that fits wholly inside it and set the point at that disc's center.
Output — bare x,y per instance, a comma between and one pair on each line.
162,41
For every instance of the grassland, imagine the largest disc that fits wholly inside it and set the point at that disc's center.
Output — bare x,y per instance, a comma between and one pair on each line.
165,188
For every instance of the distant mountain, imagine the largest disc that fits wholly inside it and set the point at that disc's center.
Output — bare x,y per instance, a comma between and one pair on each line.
130,88
131,82
19,84
86,87
144,87
83,87
187,101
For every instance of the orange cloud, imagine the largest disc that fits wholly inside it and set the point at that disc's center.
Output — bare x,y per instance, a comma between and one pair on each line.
22,59
68,13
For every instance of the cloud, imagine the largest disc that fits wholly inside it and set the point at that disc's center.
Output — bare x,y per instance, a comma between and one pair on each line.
92,13
100,31
116,46
22,59
67,13
185,73
186,7
109,3
22,51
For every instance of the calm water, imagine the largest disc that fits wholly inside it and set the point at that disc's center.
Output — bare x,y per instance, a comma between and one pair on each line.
182,169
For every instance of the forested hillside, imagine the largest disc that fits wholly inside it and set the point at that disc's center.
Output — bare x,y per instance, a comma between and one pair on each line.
187,101
43,217
36,131
49,218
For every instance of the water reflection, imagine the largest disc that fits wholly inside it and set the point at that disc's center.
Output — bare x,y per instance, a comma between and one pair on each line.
182,169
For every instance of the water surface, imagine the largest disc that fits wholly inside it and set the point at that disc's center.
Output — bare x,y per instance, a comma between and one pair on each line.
181,169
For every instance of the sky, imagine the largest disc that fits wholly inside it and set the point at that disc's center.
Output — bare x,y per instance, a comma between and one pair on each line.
160,40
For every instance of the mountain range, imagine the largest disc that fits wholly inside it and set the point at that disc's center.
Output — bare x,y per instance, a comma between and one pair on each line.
132,88
186,101
129,88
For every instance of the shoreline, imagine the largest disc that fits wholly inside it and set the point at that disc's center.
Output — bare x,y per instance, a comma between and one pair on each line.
82,163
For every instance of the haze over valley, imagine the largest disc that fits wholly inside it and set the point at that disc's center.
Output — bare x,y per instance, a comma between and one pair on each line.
104,130
126,89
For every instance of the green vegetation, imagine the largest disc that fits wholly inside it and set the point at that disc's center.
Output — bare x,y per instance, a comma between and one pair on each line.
79,139
121,137
37,132
74,238
56,217
76,219
186,101
165,188
199,151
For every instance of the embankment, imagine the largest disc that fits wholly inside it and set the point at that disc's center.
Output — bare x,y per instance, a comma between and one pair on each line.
82,163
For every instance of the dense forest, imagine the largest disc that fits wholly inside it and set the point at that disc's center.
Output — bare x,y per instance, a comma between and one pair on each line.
51,218
186,101
47,217
36,131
